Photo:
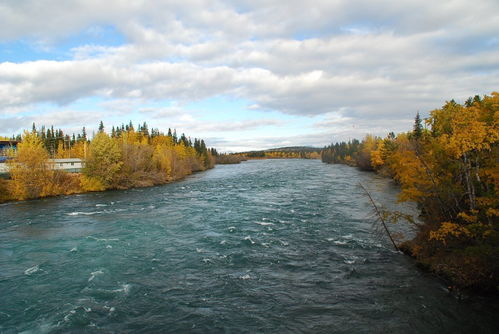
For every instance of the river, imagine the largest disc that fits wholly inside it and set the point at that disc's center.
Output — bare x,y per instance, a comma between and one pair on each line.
269,246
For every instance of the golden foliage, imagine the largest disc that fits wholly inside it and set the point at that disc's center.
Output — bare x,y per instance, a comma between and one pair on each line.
411,174
30,171
451,171
89,183
127,159
4,190
135,160
377,156
163,158
471,128
104,159
447,230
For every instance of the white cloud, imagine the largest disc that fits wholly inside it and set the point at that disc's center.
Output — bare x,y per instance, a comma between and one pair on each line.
354,61
69,120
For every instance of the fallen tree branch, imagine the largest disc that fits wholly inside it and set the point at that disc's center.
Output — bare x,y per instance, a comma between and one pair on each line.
380,216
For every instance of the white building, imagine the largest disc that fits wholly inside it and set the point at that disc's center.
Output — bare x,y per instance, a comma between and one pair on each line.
72,165
68,165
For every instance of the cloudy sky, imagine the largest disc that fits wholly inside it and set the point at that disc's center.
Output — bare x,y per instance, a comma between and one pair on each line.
244,74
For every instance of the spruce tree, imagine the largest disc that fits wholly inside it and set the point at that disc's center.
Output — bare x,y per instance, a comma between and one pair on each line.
418,127
145,130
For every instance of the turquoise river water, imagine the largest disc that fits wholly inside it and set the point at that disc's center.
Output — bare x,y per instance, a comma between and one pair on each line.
271,246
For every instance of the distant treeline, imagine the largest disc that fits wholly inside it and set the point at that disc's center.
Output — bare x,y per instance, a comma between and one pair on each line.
448,165
126,158
228,159
284,153
295,152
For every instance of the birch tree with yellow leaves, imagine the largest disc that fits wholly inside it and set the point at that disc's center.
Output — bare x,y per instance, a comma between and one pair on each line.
29,170
103,163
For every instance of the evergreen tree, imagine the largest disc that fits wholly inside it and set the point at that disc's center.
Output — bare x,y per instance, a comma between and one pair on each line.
175,139
101,127
52,141
184,140
418,127
145,130
197,146
43,135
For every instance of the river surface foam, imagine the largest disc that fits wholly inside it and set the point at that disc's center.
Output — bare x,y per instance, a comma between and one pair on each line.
281,246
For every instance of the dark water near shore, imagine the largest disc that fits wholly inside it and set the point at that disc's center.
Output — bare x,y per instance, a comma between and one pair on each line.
273,246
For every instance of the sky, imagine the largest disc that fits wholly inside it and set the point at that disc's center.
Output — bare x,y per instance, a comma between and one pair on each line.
243,74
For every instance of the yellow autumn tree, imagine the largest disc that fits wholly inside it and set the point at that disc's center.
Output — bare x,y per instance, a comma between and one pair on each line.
452,173
450,169
137,169
78,150
377,160
30,170
365,155
103,163
163,158
61,151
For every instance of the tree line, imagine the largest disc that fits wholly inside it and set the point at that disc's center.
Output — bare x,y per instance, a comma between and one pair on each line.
123,159
276,153
448,165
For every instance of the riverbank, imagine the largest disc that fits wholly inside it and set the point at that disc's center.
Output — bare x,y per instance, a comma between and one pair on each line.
126,159
449,169
77,179
462,277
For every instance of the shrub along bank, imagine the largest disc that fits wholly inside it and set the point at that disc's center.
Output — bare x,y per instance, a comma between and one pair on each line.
448,165
124,159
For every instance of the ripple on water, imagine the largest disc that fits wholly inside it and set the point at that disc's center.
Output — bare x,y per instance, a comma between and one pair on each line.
264,246
32,270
